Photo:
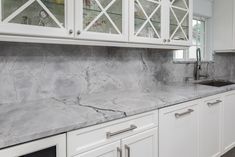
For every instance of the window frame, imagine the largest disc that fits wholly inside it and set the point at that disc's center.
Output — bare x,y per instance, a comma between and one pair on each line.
186,51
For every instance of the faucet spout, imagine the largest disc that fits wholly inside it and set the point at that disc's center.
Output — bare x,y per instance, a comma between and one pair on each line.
198,64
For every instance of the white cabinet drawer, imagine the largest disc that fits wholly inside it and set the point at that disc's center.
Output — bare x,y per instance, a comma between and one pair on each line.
177,107
89,138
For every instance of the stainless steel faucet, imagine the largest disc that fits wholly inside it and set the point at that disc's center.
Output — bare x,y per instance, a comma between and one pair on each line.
198,66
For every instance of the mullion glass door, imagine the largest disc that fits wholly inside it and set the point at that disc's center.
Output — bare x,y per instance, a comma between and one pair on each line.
179,20
51,18
147,18
102,16
43,13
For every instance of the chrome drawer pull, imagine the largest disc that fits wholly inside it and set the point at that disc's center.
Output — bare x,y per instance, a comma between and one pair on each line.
178,115
110,134
214,103
128,150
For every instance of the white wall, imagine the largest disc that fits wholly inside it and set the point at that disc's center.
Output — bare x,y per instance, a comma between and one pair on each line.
202,8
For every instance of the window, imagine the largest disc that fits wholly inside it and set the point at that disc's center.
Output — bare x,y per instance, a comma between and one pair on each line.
199,36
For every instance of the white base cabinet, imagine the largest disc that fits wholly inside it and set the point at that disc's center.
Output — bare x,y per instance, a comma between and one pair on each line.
228,135
210,118
140,145
178,131
201,128
136,136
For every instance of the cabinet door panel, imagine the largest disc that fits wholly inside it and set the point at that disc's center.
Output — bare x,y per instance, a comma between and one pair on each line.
228,121
143,144
178,133
109,150
146,21
101,19
180,26
210,128
40,17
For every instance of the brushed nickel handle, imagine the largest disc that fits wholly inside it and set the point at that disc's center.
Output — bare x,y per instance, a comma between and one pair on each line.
178,115
78,32
169,40
164,40
119,151
214,103
111,134
70,31
128,150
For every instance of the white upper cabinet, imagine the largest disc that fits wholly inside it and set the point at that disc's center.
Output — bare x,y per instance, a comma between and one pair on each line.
224,26
161,21
101,19
52,18
146,21
180,22
155,22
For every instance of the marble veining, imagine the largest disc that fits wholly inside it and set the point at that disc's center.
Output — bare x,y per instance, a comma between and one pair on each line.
26,121
31,72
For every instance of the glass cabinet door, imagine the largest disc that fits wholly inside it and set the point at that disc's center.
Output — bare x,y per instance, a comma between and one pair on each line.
145,20
180,23
99,19
38,13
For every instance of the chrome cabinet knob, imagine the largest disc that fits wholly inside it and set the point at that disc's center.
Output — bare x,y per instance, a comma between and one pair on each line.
70,31
78,32
164,40
168,40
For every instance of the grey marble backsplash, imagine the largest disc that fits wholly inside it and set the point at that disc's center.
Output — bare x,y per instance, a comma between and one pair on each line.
36,71
225,66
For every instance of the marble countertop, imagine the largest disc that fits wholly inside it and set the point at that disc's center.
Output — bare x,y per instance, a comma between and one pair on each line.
23,122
